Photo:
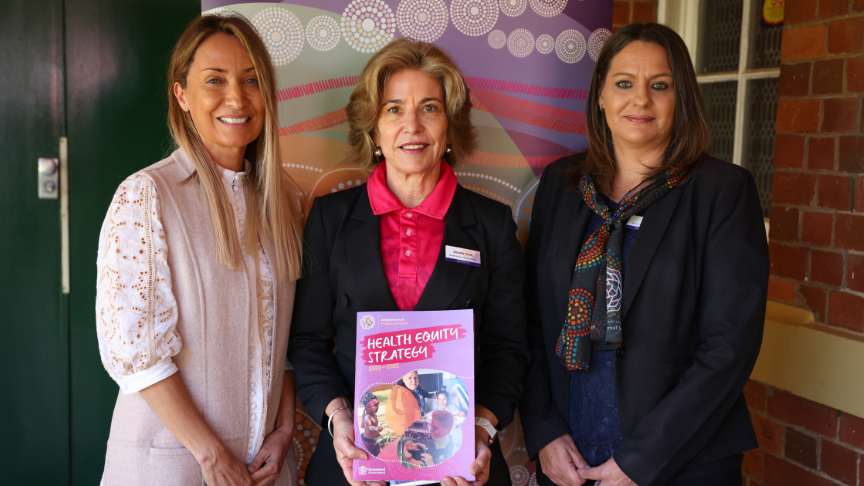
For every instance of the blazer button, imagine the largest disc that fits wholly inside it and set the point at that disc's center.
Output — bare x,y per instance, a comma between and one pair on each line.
469,303
621,351
344,300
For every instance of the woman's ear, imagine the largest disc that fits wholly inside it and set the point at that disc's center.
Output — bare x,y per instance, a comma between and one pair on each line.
180,94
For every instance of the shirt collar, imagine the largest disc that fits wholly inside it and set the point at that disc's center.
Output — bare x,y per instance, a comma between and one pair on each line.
435,205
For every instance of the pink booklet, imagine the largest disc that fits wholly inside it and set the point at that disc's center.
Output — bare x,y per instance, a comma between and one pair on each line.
414,396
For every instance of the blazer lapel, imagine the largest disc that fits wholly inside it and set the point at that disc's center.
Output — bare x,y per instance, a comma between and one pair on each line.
364,252
654,224
570,223
448,278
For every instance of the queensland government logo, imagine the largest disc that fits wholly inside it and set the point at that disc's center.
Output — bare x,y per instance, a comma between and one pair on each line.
368,322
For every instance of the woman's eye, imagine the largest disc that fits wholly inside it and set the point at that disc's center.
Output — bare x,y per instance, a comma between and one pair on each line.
429,108
660,86
393,109
624,84
252,81
212,81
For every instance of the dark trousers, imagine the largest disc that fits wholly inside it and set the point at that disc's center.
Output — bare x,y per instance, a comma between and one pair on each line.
731,477
324,470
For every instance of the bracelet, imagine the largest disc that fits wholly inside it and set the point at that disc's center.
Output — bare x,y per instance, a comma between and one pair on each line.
330,419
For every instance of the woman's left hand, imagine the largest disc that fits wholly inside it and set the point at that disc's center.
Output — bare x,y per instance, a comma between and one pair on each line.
271,456
607,474
480,466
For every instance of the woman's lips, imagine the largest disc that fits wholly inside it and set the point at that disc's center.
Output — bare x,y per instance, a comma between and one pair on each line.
235,122
639,118
413,147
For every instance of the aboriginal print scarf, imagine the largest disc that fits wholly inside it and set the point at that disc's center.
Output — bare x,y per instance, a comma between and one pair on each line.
591,313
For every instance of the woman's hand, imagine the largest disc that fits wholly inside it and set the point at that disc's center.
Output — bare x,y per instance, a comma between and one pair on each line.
271,456
480,466
562,462
607,474
221,468
346,451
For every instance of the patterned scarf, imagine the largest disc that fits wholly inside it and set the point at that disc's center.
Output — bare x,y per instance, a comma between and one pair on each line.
599,265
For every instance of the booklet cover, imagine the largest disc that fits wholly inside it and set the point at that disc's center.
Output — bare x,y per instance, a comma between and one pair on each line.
414,396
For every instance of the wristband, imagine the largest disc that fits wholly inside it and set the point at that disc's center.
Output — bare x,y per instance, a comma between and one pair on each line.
486,424
330,419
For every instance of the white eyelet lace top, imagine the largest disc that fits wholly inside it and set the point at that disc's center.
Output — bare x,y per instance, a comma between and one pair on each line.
122,287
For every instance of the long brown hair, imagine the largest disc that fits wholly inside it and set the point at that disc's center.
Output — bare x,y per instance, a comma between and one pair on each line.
271,196
689,136
365,102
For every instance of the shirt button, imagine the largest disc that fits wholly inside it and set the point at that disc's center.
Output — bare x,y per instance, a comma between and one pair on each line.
408,232
408,215
408,253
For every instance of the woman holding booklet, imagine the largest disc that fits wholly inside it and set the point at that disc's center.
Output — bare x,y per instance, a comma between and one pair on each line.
383,246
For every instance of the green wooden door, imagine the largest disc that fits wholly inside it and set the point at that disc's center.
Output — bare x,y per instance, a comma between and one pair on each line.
94,71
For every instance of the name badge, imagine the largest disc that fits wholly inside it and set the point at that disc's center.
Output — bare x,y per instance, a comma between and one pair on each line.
461,255
635,222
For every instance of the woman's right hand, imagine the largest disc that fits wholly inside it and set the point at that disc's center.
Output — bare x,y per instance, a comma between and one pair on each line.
221,468
560,460
346,451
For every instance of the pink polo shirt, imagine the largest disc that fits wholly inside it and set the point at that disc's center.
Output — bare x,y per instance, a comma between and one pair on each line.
410,238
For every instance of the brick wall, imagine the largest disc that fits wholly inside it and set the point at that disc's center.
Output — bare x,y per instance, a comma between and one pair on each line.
817,235
629,11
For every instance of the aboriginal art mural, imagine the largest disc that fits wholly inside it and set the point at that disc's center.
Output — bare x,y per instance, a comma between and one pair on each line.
528,64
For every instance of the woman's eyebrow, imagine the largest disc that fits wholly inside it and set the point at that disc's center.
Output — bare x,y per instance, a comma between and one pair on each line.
652,77
220,70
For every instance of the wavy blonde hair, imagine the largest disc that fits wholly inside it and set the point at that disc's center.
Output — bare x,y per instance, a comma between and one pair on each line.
270,204
365,103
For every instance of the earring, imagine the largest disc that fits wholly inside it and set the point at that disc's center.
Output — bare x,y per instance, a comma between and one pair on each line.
378,152
601,108
448,149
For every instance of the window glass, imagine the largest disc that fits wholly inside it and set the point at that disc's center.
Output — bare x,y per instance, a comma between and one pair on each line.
759,136
720,103
719,36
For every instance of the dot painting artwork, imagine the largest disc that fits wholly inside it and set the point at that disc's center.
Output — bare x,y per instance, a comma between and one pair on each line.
527,63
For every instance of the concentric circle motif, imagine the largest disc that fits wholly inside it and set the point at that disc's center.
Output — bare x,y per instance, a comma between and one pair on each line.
512,8
519,475
520,42
548,8
497,39
545,44
368,25
474,17
423,20
282,32
596,41
570,46
322,33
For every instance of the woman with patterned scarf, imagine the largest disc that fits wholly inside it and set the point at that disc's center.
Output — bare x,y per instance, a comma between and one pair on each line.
647,274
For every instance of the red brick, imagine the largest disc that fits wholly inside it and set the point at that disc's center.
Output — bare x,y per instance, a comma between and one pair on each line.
846,310
854,74
788,151
816,299
844,36
801,447
839,462
782,290
799,43
793,188
849,232
855,277
779,472
820,154
833,8
800,411
784,223
798,116
817,228
852,430
753,463
769,433
794,79
756,395
621,13
788,261
800,11
828,77
644,12
826,267
859,194
835,192
840,115
851,154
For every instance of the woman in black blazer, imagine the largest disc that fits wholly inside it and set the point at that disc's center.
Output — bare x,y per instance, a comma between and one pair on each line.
409,110
645,317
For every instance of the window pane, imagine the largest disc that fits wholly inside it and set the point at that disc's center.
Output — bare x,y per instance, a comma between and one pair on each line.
759,142
719,36
720,102
765,47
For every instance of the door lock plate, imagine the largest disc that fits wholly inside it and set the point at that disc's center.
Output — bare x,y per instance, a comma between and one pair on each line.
49,178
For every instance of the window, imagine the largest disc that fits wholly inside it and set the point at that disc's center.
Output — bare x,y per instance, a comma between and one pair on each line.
737,60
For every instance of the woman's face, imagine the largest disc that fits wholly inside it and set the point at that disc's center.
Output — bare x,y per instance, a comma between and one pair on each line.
223,96
638,97
442,401
412,123
411,380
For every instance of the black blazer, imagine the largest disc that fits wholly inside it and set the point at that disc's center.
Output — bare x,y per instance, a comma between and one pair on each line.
344,274
693,310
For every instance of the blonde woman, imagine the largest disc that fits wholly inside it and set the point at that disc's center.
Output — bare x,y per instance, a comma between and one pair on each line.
197,264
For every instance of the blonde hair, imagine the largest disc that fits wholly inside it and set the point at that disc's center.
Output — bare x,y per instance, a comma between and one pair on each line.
365,103
270,202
